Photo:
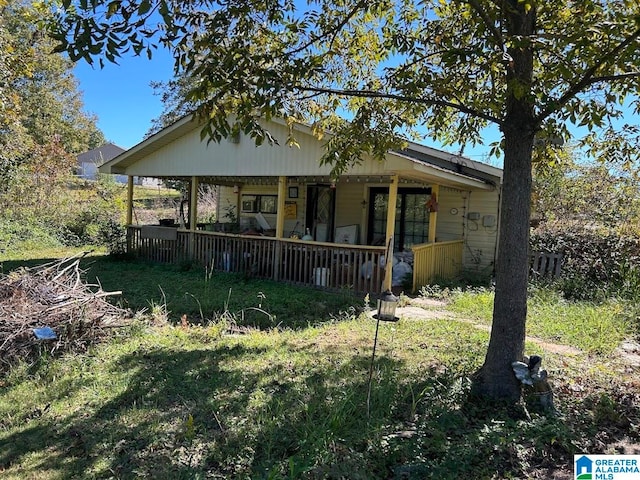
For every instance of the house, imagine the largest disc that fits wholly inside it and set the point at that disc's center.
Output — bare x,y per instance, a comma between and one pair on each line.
88,162
300,225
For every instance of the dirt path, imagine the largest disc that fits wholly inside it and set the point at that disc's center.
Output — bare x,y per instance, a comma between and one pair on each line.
431,309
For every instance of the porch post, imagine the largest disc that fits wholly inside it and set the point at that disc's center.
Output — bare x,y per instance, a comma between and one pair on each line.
282,190
129,200
193,215
391,224
433,216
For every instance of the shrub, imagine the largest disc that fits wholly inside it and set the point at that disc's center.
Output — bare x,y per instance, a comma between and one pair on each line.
23,234
598,263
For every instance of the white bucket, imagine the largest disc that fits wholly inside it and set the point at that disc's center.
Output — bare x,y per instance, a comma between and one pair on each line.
226,259
321,276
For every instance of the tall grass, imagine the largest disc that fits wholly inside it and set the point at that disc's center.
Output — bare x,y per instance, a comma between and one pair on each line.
596,328
175,402
170,399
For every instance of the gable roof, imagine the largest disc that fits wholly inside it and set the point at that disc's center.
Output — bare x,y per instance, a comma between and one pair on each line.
178,151
101,154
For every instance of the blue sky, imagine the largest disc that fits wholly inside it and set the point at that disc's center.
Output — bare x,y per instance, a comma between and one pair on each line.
124,102
121,96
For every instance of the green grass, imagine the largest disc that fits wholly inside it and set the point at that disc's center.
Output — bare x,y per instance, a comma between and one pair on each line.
187,290
595,328
176,403
167,402
35,254
254,302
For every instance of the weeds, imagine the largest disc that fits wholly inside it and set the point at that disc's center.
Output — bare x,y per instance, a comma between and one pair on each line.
194,402
596,328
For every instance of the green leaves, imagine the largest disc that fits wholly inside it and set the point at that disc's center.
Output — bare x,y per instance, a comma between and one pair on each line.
144,7
42,123
113,8
448,66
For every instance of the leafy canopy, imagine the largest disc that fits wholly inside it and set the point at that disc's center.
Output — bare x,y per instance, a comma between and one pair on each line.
40,105
42,122
396,67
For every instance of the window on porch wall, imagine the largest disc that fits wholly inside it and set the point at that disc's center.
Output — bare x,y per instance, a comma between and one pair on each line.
412,217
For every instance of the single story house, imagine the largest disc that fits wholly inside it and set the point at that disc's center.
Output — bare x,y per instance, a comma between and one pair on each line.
293,222
88,163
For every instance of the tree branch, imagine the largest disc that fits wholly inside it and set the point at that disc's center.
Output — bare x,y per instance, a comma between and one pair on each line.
614,78
497,34
588,78
419,59
332,31
402,98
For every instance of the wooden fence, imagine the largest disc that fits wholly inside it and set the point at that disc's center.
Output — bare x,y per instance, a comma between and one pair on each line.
545,264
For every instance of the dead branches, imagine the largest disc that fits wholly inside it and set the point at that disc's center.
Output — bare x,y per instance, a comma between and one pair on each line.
52,295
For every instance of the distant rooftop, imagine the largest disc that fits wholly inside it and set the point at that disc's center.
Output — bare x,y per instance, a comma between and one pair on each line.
100,155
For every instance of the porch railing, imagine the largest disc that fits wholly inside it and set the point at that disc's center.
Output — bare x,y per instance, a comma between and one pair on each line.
436,260
320,264
326,265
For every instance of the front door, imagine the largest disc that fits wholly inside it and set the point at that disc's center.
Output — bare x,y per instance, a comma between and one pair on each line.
412,217
321,203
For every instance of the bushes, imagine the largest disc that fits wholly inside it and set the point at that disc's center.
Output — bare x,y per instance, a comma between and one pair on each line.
19,234
87,213
598,262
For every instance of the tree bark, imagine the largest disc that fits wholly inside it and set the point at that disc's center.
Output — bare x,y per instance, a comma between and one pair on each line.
506,345
496,379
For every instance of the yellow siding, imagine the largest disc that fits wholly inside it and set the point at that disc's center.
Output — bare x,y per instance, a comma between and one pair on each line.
187,156
479,253
450,225
349,209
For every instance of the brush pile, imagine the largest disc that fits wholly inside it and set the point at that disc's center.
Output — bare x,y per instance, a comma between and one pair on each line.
51,309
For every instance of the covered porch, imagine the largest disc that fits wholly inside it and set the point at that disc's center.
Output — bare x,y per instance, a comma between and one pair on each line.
430,212
319,264
284,254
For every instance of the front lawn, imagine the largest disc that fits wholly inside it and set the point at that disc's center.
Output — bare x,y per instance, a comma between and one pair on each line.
169,399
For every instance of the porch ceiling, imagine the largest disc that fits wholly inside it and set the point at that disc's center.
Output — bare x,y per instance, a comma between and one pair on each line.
406,177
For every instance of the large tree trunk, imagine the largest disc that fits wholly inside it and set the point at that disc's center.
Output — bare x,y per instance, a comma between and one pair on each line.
496,378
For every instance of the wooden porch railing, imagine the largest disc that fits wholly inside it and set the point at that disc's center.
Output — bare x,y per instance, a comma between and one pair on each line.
156,248
326,265
436,260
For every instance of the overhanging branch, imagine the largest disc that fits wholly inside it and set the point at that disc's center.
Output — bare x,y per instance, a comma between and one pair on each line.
495,32
588,78
614,78
332,32
402,98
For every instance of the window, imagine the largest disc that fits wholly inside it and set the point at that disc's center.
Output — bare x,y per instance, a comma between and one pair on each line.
412,217
259,203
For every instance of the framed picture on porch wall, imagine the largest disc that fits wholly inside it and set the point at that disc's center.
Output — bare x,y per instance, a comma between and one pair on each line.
293,192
